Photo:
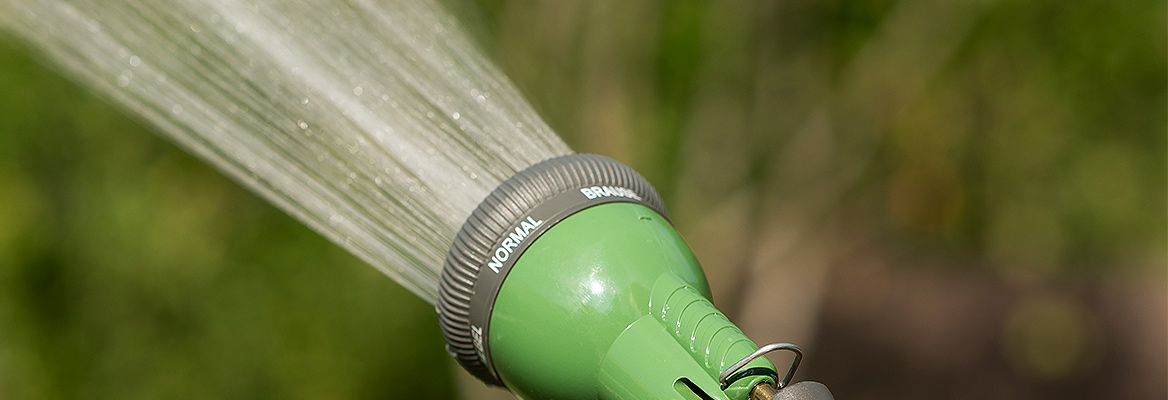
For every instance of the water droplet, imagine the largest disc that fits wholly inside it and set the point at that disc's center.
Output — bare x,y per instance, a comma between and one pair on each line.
385,97
430,114
357,90
124,78
135,61
303,125
304,101
377,180
456,116
177,109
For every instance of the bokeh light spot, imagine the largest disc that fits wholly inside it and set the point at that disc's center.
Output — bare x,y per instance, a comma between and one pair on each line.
1047,337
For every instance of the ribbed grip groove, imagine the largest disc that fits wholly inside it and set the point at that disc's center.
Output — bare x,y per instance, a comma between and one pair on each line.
491,219
712,339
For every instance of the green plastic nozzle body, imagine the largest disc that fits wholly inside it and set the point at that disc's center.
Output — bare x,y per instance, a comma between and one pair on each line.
611,303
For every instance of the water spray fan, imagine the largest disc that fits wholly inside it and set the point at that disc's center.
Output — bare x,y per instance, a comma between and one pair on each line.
569,282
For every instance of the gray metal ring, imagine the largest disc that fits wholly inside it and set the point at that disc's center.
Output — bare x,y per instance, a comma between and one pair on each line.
722,377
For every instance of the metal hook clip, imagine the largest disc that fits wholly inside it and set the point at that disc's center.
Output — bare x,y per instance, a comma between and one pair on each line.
722,377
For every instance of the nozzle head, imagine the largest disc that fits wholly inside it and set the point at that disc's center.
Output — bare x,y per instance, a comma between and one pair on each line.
488,244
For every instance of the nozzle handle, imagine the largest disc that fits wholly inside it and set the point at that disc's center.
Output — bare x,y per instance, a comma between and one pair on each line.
711,339
645,362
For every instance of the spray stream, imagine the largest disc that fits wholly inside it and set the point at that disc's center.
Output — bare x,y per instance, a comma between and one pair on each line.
377,124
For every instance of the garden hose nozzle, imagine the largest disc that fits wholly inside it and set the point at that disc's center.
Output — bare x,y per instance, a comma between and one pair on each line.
569,282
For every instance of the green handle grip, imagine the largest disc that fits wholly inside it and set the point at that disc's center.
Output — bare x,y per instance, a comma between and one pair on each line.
709,336
679,350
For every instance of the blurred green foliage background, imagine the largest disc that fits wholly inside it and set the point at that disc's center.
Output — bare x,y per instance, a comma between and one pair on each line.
937,198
